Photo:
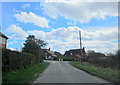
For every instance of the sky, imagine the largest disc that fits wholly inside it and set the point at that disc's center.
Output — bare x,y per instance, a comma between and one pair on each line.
59,23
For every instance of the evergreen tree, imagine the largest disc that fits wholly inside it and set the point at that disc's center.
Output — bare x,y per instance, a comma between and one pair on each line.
33,46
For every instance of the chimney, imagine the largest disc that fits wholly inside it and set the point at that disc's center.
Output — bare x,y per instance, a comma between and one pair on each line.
83,48
49,49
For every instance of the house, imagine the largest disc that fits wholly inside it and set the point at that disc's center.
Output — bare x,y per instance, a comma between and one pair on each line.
78,54
3,40
49,55
58,54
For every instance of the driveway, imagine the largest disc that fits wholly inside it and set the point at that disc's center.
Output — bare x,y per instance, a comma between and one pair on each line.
63,72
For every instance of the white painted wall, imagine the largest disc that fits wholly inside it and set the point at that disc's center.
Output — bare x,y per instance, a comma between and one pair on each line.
48,57
70,53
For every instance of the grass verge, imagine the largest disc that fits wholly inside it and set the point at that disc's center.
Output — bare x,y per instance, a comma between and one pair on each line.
105,73
24,75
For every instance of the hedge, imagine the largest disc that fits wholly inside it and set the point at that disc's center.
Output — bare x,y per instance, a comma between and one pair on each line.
105,63
68,59
13,60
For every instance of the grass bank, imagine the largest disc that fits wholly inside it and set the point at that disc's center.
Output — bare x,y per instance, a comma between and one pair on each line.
105,73
24,75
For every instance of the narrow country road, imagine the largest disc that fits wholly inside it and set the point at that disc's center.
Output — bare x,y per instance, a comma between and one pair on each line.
63,72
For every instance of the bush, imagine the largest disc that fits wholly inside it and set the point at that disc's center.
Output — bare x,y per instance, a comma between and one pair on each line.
106,73
99,59
105,63
68,59
33,45
23,75
56,58
12,60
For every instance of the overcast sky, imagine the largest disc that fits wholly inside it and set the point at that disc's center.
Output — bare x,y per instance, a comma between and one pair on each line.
59,23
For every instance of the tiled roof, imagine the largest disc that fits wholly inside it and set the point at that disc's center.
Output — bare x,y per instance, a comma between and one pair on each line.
1,34
51,53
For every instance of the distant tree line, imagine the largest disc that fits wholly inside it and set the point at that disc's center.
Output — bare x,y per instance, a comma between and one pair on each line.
102,60
31,54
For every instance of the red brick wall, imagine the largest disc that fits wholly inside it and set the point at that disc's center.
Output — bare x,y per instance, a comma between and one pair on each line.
2,45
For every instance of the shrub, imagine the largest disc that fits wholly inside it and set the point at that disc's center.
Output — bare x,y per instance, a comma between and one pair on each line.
12,60
68,59
100,59
105,63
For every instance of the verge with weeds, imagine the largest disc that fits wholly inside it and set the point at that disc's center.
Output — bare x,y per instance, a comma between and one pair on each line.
105,73
24,75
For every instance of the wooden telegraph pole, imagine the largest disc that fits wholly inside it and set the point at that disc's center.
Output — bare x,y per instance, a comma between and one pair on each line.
81,50
80,40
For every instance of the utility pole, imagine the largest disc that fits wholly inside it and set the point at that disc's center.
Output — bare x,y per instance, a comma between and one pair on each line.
21,47
81,50
80,40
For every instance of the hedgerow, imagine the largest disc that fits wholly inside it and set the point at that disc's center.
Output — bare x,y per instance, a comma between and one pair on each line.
13,60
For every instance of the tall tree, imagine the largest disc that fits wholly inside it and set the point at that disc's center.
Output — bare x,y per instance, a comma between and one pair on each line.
33,45
41,43
30,45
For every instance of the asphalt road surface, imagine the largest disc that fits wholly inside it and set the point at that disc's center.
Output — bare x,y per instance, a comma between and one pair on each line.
63,72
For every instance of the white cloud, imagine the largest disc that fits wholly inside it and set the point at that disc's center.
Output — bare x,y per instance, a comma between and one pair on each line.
82,0
11,49
38,34
80,11
26,6
71,23
62,39
12,42
15,10
32,18
17,31
106,34
60,0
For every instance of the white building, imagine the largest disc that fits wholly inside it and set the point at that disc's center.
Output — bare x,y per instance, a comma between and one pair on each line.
49,55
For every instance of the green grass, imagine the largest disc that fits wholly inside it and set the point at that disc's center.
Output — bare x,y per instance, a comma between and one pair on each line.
105,73
24,75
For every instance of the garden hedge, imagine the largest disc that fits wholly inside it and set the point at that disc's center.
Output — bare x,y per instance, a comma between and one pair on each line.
13,60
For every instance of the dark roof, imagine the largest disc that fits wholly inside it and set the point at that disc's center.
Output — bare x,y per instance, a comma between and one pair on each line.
50,52
74,51
58,54
1,34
